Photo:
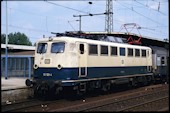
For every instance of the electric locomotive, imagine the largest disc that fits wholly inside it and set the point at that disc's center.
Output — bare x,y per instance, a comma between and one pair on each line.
84,64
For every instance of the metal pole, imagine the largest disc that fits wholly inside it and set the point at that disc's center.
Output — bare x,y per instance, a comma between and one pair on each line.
86,15
167,59
80,23
29,67
6,49
24,66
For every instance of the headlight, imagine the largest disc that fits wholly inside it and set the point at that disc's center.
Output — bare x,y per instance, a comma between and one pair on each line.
59,66
35,66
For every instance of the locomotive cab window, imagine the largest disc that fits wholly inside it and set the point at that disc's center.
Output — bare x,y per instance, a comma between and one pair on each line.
93,49
81,48
104,50
42,47
122,51
57,47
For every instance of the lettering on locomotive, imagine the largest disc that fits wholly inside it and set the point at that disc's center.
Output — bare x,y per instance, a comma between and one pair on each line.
47,74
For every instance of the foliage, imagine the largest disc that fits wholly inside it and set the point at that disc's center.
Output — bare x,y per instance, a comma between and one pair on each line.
16,38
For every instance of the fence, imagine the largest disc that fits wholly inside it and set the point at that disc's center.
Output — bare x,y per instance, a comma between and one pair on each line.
18,66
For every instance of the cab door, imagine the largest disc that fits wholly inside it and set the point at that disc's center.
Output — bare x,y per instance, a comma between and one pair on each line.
82,59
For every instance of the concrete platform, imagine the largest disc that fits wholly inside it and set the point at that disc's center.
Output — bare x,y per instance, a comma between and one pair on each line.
14,89
12,83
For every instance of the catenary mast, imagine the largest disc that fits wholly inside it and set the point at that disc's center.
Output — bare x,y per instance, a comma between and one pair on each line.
109,16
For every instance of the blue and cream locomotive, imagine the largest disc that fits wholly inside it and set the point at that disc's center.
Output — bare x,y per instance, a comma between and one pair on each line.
84,64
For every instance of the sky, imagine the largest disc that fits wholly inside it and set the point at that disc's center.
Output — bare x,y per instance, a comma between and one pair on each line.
38,18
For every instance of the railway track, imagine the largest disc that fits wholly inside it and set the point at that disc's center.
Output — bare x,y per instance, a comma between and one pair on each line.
119,104
25,104
131,100
10,106
149,105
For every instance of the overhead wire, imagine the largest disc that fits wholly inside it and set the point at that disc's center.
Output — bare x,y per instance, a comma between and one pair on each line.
36,14
140,14
67,7
150,8
37,30
29,29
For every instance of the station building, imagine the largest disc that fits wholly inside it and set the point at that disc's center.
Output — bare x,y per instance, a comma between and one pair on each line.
20,60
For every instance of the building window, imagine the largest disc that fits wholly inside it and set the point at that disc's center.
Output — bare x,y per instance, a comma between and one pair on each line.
130,52
104,50
93,49
113,50
143,53
162,60
122,51
137,52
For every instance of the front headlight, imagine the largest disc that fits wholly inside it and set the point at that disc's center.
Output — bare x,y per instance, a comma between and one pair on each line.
35,66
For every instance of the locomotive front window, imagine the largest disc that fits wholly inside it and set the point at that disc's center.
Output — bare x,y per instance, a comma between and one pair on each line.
57,47
42,47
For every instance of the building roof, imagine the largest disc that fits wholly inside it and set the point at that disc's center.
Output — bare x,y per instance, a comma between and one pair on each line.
21,47
145,40
125,33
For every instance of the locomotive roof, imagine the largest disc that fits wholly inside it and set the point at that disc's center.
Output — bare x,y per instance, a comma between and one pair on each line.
90,41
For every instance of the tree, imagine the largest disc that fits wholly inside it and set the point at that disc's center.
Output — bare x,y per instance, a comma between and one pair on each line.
16,38
3,38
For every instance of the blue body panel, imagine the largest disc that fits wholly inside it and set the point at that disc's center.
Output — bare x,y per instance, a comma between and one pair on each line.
92,72
115,71
62,74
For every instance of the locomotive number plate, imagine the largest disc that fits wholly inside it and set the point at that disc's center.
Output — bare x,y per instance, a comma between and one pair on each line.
47,74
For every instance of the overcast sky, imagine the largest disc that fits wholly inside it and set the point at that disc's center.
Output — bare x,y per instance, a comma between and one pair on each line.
38,18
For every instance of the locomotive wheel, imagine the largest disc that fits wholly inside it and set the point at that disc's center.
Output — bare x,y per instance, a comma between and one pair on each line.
133,83
106,87
145,82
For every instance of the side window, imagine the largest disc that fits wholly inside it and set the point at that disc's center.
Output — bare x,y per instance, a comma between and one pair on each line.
137,52
93,49
113,50
148,53
81,48
158,61
104,50
130,52
122,51
162,60
143,53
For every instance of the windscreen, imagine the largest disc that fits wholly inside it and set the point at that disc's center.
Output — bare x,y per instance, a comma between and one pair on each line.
57,47
42,47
